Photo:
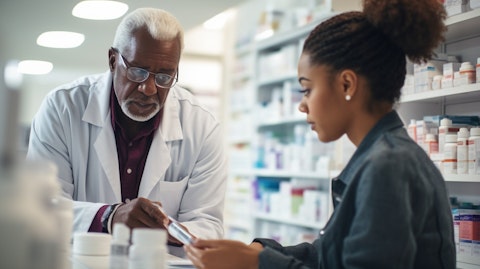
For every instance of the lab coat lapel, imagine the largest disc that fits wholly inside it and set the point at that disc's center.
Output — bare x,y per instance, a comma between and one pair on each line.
97,113
159,159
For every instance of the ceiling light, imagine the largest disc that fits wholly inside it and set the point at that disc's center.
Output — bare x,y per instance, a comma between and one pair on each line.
99,10
60,39
35,67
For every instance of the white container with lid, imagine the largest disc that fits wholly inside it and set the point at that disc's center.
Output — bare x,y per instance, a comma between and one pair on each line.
474,151
462,151
91,250
148,249
467,73
119,246
450,154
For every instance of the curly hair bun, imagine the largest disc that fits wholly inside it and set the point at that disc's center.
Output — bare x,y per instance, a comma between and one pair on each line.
416,26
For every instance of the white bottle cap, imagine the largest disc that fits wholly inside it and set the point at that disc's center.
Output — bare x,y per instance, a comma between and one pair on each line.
91,244
148,236
463,133
121,234
466,66
446,122
475,131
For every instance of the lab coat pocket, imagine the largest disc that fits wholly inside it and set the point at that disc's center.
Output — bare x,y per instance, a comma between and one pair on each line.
171,194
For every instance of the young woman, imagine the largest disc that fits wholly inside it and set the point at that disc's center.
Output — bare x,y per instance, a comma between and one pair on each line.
391,204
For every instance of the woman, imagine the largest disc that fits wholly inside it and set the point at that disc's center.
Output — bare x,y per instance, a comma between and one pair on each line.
391,204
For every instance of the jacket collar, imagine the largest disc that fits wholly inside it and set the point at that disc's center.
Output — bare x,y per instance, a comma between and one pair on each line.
389,122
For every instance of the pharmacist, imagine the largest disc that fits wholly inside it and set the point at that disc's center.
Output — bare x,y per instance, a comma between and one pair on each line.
128,140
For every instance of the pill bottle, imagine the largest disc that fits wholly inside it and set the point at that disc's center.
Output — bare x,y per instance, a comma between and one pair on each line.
412,130
467,73
431,144
446,127
119,246
462,151
478,70
148,249
474,151
450,154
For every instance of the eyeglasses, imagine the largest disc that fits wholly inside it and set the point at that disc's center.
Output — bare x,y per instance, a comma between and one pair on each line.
137,74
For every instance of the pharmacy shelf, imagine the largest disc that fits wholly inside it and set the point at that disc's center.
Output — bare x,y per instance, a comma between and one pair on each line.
462,178
463,25
461,94
278,79
463,265
289,221
283,121
289,174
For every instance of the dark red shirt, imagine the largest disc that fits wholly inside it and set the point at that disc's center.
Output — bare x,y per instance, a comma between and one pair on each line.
132,155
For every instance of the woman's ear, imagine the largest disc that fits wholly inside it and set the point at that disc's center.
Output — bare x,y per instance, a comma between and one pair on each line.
349,81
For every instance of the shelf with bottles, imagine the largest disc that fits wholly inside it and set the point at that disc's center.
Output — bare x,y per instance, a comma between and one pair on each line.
296,202
289,221
460,94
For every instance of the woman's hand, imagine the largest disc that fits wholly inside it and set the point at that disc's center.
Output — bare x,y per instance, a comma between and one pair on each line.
220,254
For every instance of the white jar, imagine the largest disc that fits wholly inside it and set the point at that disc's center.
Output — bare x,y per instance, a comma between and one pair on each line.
467,73
462,151
431,144
148,249
450,154
474,151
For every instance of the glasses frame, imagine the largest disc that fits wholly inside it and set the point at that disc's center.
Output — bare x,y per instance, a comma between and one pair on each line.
128,66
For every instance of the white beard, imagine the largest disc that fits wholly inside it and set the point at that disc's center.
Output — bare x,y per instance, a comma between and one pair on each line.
138,118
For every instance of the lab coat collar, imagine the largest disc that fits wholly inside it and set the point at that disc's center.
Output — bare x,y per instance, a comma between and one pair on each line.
170,127
97,111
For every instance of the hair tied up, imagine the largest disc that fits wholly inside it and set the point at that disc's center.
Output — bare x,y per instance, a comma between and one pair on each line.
416,26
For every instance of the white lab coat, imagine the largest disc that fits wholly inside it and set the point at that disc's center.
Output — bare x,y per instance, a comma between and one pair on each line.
185,169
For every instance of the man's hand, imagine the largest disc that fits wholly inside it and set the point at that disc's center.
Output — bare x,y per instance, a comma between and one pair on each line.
141,212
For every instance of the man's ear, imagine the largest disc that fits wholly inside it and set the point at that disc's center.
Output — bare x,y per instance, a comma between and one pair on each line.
111,59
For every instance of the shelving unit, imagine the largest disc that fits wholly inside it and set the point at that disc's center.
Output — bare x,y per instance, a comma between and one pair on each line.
264,87
462,39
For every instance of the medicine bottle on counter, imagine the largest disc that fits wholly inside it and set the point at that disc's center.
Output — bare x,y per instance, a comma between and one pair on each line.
474,151
119,246
467,73
462,151
450,154
148,249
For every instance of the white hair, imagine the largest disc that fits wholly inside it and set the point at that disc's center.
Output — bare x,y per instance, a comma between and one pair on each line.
160,24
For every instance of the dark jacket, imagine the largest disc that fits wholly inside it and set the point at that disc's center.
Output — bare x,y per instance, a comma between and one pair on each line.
391,211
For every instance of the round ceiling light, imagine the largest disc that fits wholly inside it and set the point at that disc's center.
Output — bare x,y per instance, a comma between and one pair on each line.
34,67
60,39
99,10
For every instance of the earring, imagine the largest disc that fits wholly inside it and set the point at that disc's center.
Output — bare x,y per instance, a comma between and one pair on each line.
348,97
